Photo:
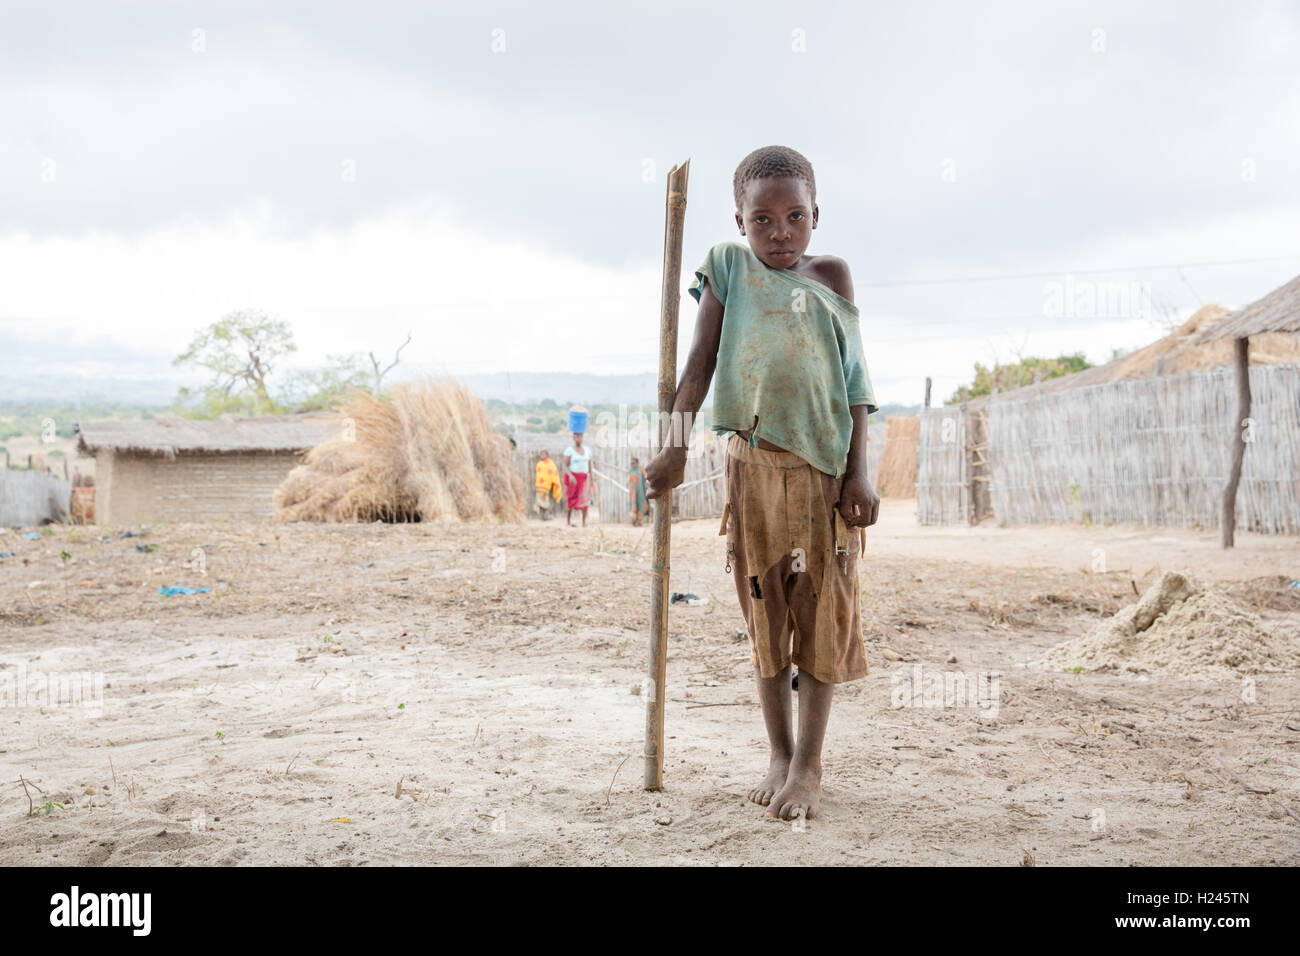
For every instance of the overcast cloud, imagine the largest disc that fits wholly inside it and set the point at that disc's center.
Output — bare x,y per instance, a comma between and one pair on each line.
361,169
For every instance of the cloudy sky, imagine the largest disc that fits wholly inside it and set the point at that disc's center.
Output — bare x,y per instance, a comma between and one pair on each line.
490,175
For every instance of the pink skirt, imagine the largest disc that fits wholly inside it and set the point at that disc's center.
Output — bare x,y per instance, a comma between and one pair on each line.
577,494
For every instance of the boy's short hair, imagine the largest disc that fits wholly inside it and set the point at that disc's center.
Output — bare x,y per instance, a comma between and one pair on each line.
773,161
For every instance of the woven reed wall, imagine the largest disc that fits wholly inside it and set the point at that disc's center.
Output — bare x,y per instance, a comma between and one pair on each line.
1151,452
942,480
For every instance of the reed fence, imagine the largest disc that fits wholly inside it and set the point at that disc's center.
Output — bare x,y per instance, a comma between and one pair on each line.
942,479
1151,452
29,498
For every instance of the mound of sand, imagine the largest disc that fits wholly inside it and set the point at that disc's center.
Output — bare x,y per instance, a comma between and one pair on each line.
428,454
1179,627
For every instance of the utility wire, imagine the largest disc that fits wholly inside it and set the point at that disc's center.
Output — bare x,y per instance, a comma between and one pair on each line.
946,280
1056,274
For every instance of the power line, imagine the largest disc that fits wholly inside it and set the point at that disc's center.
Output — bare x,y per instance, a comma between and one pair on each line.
946,280
949,280
1056,274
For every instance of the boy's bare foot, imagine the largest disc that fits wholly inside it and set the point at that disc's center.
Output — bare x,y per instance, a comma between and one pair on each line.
802,790
772,783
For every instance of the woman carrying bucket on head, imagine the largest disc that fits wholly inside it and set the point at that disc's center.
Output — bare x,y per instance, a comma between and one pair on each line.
577,468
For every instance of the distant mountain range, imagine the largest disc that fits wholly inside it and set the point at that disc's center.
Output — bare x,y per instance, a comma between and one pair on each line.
72,385
564,387
55,387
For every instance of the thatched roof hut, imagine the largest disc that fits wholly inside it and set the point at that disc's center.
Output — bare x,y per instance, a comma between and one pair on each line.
1192,347
178,469
1279,311
226,435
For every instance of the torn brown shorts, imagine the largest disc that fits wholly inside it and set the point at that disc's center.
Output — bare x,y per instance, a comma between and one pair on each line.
795,563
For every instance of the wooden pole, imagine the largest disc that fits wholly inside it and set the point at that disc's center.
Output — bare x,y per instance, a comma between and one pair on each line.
669,299
927,391
1228,517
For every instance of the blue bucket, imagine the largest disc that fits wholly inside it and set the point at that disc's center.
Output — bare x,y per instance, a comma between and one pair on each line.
578,420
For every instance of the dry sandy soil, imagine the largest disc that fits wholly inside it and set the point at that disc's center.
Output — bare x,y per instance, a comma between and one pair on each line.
351,695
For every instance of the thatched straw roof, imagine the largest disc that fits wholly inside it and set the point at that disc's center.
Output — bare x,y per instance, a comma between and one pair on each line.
168,435
1178,353
1279,311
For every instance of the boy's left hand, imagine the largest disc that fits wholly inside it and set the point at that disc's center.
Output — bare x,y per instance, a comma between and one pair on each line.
859,504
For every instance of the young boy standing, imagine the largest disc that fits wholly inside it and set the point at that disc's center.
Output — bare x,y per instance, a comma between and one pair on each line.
780,330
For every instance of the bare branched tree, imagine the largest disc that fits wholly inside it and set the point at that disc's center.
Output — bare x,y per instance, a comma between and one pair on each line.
380,373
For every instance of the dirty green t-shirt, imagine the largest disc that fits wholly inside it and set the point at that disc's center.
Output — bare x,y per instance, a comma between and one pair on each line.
790,361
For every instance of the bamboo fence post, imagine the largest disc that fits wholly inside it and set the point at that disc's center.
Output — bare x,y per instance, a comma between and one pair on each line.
1228,518
669,297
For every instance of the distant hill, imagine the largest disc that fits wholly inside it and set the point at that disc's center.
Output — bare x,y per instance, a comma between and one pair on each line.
564,387
567,388
59,387
518,388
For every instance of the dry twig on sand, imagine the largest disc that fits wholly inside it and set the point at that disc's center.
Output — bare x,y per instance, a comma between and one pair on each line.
25,782
610,788
1249,789
1233,774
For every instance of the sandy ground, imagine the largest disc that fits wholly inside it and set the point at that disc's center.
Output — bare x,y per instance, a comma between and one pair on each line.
353,695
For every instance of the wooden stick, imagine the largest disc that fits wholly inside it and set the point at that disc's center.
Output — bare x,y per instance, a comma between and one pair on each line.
669,298
1228,516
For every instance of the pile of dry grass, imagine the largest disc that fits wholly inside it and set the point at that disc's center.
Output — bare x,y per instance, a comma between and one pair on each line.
428,454
896,476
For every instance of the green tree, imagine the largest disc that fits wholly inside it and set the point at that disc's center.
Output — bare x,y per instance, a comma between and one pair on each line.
1011,375
241,351
213,402
317,390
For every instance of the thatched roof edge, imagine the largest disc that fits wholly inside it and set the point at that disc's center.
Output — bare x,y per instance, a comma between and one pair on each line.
1279,311
168,436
